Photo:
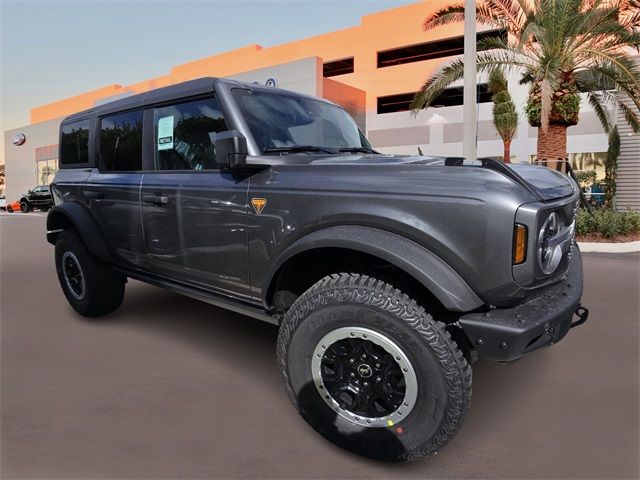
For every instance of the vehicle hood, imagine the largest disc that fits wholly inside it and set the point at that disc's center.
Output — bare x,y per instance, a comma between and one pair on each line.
545,183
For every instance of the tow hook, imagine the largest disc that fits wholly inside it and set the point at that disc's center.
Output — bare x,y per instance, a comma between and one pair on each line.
583,314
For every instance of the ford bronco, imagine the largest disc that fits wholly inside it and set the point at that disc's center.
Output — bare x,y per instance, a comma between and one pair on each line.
387,275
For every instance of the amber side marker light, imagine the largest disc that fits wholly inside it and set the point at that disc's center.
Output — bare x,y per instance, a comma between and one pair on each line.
519,244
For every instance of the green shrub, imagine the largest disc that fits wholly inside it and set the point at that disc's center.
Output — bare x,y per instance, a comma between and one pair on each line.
607,222
586,177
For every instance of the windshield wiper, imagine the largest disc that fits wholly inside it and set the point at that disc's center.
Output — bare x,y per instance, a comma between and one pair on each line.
295,148
358,150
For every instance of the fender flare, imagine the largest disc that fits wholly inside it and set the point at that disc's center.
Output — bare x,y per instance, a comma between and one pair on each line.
73,214
414,259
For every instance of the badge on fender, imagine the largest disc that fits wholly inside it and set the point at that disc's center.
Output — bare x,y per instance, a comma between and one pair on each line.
258,204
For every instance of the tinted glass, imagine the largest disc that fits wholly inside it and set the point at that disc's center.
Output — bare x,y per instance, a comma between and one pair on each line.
182,135
280,120
121,142
74,143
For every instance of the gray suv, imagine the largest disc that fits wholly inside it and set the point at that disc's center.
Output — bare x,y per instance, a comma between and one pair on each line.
387,275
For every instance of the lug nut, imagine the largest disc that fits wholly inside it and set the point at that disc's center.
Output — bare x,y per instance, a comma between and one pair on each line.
365,384
351,360
378,379
377,365
352,374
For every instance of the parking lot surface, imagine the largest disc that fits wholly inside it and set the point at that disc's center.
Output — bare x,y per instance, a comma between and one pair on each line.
168,387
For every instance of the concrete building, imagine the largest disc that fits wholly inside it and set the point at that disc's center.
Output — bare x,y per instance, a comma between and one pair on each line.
372,69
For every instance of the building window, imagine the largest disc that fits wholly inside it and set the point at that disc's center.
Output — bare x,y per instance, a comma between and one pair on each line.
121,142
450,97
46,171
74,143
183,139
46,164
337,67
430,50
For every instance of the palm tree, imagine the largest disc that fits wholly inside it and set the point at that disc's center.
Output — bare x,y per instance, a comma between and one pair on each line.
505,117
560,48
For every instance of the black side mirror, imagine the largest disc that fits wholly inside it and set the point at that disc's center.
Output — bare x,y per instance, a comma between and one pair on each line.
231,148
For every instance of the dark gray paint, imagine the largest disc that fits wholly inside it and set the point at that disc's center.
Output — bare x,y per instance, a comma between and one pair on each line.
207,235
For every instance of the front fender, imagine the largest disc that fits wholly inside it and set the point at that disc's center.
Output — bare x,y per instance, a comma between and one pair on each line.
423,265
74,215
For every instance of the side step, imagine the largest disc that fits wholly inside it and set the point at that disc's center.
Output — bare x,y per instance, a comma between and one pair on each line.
201,294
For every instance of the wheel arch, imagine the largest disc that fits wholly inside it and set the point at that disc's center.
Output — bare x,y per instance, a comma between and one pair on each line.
368,243
72,215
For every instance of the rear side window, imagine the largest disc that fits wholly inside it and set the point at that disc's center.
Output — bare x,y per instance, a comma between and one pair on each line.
183,135
74,143
121,142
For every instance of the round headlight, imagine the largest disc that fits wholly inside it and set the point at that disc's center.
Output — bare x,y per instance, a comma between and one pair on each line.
549,253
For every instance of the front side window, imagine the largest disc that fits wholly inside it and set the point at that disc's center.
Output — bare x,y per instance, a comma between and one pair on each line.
278,120
184,135
121,142
74,143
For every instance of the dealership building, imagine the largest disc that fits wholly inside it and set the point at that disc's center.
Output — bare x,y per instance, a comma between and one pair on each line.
372,70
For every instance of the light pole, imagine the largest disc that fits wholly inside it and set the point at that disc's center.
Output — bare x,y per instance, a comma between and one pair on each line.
470,129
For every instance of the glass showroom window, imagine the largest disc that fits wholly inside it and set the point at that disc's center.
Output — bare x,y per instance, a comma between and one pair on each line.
46,170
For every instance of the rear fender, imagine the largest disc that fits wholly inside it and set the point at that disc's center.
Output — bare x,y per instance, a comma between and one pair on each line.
73,215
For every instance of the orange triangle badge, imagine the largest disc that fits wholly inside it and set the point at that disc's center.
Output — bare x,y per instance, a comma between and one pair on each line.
258,204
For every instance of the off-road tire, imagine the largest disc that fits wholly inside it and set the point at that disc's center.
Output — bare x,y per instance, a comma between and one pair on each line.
25,207
443,374
104,287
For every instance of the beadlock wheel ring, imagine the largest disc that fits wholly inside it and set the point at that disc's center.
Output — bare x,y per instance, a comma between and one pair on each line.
361,369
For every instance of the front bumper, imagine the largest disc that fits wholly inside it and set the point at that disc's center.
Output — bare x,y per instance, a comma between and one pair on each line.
506,334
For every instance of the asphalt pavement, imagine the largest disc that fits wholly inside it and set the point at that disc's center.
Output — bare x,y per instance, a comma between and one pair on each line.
169,387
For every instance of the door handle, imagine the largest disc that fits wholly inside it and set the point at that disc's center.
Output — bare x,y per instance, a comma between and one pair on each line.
92,194
155,199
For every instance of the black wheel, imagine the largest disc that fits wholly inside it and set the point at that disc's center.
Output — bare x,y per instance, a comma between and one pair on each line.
25,207
9,209
91,286
371,370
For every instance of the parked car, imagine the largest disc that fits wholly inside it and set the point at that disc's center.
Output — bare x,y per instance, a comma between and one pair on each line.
13,206
3,202
39,197
388,275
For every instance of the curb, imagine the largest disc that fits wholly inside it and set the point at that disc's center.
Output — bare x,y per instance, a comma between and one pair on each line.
595,247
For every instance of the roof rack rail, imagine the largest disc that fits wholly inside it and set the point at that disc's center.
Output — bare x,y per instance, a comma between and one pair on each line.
500,167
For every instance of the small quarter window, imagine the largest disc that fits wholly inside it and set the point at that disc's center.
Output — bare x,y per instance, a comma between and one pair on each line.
182,135
121,142
74,143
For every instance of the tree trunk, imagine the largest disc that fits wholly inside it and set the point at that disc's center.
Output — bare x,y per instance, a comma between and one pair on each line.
507,151
552,144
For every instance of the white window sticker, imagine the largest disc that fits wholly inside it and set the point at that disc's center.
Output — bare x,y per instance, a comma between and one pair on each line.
165,133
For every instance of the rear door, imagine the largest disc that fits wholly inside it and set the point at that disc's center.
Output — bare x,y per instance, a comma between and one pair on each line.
193,213
112,191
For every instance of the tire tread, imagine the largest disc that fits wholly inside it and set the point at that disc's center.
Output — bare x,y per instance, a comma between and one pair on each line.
363,289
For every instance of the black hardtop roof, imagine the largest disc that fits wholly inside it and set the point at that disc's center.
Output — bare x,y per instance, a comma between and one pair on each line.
190,88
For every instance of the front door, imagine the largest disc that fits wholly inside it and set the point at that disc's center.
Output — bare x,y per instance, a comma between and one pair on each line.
194,214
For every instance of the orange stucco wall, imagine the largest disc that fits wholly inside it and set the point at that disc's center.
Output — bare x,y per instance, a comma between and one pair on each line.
380,31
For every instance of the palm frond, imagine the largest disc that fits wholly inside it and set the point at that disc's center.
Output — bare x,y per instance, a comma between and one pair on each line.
454,71
596,101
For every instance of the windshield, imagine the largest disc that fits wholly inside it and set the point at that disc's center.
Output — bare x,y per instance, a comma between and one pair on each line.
279,122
